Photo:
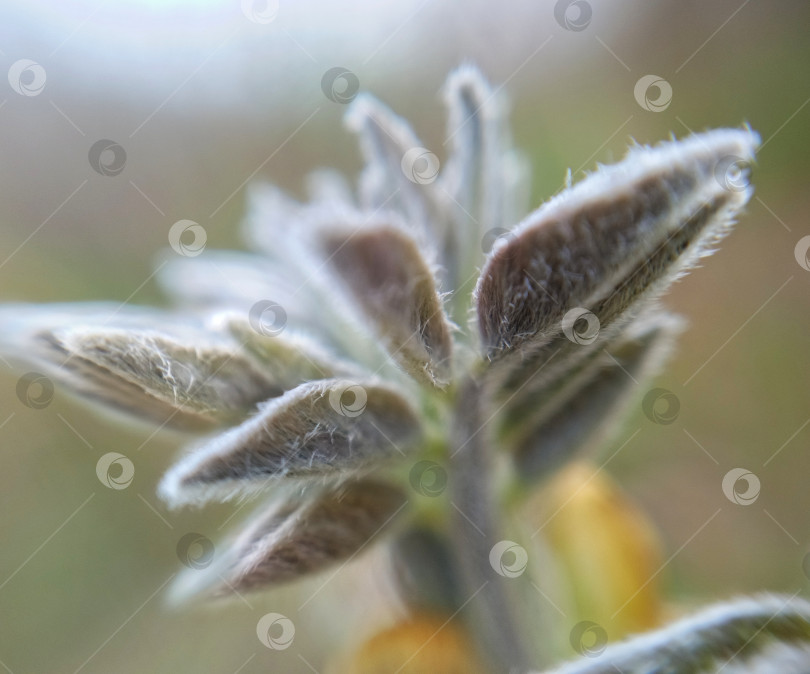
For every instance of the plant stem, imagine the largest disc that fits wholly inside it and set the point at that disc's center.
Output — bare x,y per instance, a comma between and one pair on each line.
475,530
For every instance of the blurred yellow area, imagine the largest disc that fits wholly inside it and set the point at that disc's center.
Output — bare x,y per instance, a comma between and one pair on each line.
607,551
421,644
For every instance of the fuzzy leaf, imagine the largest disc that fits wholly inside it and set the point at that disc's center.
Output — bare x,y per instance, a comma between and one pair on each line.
764,635
554,424
327,186
230,279
321,428
388,279
482,178
285,359
475,129
399,172
172,381
620,236
304,536
268,214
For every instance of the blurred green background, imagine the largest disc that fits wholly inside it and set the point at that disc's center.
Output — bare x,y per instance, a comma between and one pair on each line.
202,99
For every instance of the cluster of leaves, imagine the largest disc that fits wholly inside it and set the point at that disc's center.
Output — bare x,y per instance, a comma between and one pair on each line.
398,335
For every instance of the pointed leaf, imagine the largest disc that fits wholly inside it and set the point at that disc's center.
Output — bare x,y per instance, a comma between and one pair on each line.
286,359
399,171
388,279
230,279
321,428
482,175
620,236
554,424
152,375
768,634
303,537
327,186
269,212
475,130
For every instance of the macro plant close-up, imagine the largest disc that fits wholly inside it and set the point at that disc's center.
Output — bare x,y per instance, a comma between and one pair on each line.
425,407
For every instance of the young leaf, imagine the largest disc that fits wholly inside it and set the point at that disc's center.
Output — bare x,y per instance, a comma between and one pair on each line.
764,635
326,428
482,175
231,280
554,424
300,537
620,236
286,359
148,374
388,279
399,172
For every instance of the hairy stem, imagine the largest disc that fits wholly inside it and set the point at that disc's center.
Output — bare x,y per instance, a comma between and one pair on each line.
475,530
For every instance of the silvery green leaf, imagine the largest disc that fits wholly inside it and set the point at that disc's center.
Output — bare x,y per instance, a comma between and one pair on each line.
389,281
307,535
618,237
320,429
268,217
774,658
552,425
475,131
482,175
285,358
233,280
762,635
399,172
327,186
146,373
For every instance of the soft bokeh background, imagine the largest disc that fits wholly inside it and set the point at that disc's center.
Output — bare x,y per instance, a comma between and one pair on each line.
203,100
